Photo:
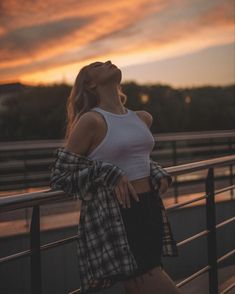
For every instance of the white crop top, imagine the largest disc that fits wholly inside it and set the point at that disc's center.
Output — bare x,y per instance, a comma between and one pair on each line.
128,143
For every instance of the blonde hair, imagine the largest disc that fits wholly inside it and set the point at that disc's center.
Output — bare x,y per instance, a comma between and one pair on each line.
82,98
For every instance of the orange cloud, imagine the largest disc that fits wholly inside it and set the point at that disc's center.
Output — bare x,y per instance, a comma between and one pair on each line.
63,36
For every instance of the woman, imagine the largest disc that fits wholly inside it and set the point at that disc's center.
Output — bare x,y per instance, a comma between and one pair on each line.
100,127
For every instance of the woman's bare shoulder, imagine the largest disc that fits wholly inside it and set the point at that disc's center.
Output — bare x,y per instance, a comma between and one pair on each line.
86,122
83,133
145,116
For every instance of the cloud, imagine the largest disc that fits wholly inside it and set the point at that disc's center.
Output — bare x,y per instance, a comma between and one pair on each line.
36,38
63,36
213,65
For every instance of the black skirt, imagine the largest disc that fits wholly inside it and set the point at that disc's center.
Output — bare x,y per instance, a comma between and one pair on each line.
144,229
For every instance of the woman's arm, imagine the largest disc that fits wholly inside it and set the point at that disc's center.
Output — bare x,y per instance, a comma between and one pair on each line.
78,175
75,173
82,134
157,173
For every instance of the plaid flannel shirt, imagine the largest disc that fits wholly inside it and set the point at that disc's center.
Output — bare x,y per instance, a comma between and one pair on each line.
103,250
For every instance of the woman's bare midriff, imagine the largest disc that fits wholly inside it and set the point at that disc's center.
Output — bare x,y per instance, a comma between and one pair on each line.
141,185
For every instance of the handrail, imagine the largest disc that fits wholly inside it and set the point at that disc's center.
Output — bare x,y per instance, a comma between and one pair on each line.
25,164
43,197
199,165
19,145
195,135
36,199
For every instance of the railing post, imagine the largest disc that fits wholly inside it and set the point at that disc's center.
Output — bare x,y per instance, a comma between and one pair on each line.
36,278
230,148
231,179
174,156
211,237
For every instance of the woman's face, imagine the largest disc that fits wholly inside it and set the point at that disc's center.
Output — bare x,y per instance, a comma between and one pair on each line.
104,72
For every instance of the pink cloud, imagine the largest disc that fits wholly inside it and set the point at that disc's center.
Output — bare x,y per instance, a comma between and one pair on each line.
39,36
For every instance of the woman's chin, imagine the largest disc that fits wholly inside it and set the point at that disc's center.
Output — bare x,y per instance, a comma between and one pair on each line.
118,75
115,75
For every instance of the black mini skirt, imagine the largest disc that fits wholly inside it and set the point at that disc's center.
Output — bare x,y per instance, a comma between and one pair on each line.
144,229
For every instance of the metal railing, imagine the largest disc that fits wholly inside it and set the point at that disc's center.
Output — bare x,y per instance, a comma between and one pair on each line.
25,164
43,197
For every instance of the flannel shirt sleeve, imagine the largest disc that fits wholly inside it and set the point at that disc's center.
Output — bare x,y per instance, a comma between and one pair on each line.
159,172
79,179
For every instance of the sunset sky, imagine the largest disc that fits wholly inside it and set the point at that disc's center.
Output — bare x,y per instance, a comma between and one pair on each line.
176,42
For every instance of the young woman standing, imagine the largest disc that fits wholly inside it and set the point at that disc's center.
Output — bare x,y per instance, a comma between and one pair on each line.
100,127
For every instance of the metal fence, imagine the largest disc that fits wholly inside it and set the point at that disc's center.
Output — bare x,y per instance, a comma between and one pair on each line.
43,197
25,164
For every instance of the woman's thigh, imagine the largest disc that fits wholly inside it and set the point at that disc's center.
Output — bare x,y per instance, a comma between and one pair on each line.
152,282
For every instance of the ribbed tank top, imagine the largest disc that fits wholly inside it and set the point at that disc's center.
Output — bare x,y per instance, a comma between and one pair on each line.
128,143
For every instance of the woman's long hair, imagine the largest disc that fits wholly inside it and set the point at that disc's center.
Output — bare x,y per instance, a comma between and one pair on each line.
82,98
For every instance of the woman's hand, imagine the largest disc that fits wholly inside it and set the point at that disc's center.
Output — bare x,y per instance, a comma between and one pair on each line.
164,184
123,189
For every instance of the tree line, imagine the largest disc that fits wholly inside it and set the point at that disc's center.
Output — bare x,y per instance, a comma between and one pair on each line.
39,112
